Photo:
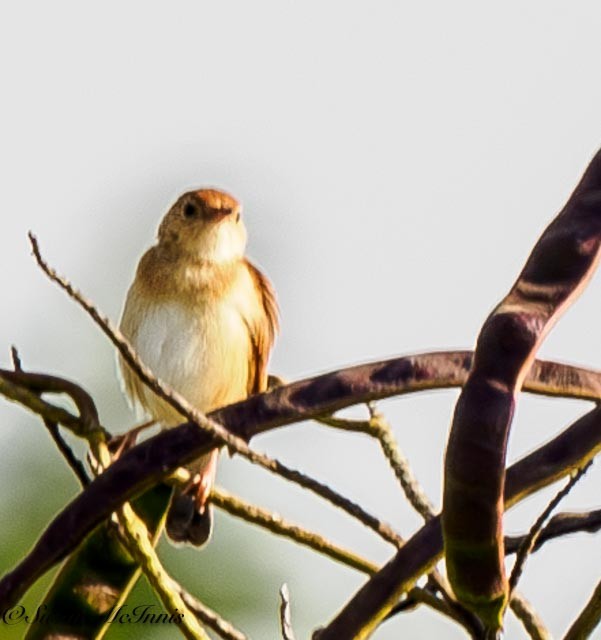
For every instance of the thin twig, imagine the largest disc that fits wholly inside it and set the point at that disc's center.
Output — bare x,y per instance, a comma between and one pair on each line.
428,597
72,460
384,530
527,615
528,544
135,537
378,427
400,465
459,613
285,617
14,353
239,508
416,596
210,618
346,424
560,525
138,543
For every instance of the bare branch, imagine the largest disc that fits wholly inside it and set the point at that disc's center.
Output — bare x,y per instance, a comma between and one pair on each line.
436,370
528,544
276,524
136,539
400,465
76,465
526,614
210,618
355,510
560,525
154,459
25,388
378,427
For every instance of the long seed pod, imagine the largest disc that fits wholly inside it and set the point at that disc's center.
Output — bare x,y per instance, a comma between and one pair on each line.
572,449
558,268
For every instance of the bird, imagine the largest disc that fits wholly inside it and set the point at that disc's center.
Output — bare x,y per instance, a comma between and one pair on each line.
204,319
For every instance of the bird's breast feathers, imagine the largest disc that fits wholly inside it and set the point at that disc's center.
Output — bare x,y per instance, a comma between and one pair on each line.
202,350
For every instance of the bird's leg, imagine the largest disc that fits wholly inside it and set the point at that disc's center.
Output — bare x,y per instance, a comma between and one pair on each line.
121,443
204,481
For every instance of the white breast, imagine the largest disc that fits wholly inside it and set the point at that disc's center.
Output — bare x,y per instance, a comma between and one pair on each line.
203,355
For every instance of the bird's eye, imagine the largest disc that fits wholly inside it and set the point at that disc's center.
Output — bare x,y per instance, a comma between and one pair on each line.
190,210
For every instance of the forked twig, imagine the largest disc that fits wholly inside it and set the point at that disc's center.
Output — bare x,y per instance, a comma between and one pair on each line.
72,460
378,427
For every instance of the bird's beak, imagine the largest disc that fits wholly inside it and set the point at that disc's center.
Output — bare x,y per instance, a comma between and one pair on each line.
217,215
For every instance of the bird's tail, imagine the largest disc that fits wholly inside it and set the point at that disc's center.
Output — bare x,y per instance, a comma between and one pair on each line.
190,517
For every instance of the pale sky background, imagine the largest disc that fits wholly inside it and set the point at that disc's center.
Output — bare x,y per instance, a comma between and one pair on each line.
396,161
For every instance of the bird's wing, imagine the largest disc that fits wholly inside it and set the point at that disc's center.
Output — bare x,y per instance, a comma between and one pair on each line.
262,329
129,327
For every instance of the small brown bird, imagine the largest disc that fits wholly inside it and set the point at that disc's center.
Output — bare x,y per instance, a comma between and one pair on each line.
204,319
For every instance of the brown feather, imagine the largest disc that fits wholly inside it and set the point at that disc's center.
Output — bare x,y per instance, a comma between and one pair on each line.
262,330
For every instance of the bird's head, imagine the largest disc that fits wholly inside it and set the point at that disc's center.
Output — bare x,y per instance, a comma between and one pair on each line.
207,224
